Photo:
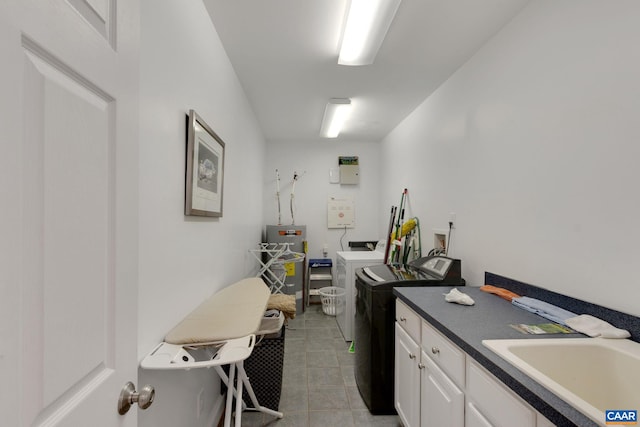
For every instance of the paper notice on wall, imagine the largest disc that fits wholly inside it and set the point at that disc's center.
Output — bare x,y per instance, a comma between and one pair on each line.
290,268
341,212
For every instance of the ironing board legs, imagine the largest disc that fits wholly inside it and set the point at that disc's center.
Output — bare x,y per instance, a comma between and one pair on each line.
227,417
242,374
241,379
239,396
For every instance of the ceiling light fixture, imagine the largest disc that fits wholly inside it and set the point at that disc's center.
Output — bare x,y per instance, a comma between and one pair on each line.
367,25
335,115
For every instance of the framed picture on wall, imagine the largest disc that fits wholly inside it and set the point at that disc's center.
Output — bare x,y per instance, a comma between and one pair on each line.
204,169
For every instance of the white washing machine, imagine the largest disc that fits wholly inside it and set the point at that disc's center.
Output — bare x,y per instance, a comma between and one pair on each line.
347,262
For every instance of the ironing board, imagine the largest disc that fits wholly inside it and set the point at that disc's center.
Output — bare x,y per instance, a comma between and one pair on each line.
221,331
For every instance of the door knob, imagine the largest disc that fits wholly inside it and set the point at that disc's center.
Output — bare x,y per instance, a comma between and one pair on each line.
129,396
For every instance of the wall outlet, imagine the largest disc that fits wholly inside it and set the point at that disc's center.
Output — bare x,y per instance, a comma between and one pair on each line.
200,403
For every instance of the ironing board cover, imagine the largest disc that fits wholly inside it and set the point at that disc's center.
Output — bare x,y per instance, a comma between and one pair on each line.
232,312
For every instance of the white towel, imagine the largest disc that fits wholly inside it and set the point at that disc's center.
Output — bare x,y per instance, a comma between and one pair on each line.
458,297
595,327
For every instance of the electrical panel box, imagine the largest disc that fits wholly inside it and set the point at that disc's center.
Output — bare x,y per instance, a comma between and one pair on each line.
349,169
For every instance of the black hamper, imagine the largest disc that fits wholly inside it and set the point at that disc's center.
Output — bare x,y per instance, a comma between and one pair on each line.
264,369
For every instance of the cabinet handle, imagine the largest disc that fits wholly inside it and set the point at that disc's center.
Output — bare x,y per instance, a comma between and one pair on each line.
421,366
403,319
412,356
435,350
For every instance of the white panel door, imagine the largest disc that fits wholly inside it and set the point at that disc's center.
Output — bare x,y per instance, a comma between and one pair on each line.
69,224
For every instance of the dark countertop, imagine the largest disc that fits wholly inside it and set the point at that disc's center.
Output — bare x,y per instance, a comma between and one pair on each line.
489,318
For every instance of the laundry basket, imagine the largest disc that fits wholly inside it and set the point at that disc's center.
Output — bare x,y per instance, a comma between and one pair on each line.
332,300
264,366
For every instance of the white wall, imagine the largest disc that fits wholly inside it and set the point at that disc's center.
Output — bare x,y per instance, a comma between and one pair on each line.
312,190
186,259
534,144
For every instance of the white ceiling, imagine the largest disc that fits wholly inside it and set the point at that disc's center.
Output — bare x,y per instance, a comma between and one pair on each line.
285,54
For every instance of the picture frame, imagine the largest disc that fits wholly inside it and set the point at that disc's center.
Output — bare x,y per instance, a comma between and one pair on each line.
204,183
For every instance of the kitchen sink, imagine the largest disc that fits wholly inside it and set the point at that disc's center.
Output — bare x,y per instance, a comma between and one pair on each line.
591,374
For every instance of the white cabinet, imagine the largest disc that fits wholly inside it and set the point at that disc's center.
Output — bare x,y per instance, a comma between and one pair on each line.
424,395
493,401
444,353
541,421
409,321
406,379
474,418
451,389
442,402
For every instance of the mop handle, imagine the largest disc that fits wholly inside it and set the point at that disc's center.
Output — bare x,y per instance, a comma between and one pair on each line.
396,251
278,196
390,230
293,187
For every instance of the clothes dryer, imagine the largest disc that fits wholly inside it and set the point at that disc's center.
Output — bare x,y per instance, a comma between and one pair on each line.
375,317
347,262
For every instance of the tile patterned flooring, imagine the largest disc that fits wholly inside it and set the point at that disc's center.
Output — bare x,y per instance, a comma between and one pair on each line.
318,385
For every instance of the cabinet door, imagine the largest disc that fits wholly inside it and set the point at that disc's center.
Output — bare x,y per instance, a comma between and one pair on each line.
409,320
498,404
442,402
542,421
474,418
406,379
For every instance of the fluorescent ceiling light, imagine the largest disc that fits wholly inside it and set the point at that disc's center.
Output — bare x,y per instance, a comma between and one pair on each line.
366,28
335,114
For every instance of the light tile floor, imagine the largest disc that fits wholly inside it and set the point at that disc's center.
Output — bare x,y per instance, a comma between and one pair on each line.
318,385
